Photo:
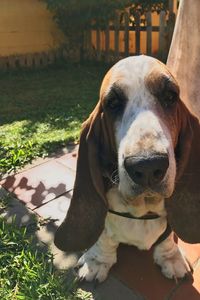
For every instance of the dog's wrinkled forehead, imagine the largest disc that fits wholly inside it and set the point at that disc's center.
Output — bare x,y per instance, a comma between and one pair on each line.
134,73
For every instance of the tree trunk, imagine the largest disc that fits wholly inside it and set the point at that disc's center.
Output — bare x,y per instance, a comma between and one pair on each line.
184,55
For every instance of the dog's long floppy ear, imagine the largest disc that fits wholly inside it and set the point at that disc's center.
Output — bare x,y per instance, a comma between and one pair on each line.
85,219
183,207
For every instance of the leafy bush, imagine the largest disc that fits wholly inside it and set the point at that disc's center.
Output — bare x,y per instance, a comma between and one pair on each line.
74,16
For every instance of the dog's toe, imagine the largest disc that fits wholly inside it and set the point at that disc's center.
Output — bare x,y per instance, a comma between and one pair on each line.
175,266
92,269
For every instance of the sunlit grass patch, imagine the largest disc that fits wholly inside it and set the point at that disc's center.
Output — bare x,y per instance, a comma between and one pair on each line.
27,271
41,111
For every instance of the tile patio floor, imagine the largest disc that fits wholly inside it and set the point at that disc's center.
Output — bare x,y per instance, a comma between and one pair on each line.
46,188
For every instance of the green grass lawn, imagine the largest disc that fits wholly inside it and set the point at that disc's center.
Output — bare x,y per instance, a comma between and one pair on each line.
42,110
26,269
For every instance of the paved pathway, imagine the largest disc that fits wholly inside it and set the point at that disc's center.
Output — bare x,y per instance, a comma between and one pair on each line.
45,189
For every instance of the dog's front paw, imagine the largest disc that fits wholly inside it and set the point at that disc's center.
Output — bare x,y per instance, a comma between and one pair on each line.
174,266
90,269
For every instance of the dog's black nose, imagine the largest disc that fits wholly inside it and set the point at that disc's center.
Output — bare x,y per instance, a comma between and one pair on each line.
147,171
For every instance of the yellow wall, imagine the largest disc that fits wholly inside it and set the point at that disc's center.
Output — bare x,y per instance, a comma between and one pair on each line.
26,26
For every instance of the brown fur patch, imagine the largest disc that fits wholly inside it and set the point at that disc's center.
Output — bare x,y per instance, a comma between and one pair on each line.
159,81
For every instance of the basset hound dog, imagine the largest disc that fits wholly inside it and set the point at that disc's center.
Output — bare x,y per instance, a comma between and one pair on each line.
138,172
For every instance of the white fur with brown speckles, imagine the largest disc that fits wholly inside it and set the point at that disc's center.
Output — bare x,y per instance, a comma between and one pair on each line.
141,128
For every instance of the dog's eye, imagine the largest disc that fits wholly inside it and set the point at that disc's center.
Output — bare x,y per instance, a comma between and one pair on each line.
114,103
170,98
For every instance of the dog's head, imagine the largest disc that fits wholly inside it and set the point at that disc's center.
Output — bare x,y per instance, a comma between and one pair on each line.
141,132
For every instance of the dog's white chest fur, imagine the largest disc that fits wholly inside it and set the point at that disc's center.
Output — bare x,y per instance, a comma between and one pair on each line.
140,233
97,261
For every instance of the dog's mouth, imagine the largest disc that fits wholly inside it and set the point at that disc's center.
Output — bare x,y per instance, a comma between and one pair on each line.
145,204
135,194
148,198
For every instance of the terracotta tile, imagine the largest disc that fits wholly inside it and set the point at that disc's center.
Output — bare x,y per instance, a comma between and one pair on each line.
55,209
69,149
189,289
192,251
69,160
40,184
110,289
137,270
28,166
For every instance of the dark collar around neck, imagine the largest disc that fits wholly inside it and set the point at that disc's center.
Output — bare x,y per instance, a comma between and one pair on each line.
130,216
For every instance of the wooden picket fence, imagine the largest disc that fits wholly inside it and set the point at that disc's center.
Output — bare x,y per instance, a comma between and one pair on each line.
97,42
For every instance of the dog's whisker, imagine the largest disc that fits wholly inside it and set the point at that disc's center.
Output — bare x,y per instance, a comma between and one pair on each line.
114,178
